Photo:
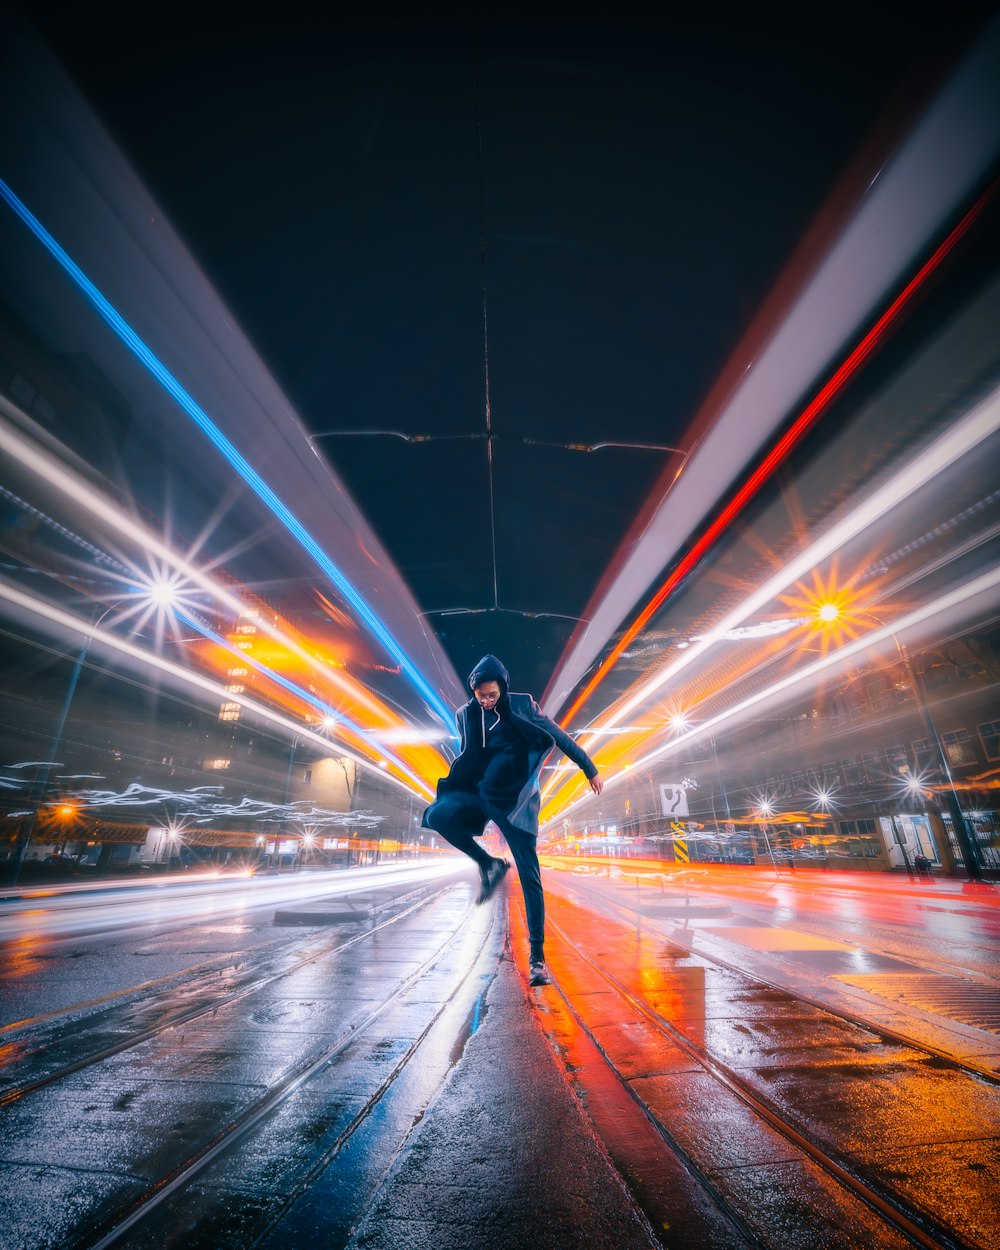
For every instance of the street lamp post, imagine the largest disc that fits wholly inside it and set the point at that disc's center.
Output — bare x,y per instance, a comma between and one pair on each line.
720,781
681,722
638,819
763,812
828,612
282,823
958,822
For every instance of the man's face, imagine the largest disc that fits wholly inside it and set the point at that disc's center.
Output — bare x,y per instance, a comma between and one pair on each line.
487,693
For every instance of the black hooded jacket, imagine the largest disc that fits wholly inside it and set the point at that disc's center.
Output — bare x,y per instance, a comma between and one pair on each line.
513,780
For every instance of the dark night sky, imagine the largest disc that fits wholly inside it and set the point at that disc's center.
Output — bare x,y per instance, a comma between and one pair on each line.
642,182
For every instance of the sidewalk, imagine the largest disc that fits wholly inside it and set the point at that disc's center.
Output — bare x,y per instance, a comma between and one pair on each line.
504,1159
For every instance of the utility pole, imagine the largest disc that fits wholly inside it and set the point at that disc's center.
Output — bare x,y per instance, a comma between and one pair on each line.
958,822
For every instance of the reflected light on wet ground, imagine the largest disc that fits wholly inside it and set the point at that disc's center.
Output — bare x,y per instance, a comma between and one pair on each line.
80,910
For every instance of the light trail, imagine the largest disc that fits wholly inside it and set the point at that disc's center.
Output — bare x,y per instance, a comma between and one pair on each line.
984,584
775,457
923,186
395,771
239,462
60,912
203,805
339,720
961,439
199,805
73,487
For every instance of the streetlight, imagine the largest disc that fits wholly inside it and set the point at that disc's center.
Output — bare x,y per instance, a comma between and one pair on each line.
828,612
912,786
283,821
66,814
765,809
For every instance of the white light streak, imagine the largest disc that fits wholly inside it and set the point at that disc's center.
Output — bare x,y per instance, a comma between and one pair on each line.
920,188
66,620
73,486
199,805
763,629
986,584
962,438
197,895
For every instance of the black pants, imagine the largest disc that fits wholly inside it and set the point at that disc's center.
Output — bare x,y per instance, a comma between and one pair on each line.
460,818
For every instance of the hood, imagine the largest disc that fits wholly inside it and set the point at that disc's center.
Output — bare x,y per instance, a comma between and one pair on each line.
489,668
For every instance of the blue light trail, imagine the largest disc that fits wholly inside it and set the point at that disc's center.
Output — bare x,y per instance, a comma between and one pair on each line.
249,474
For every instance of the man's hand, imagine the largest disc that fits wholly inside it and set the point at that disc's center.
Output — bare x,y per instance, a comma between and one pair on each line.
596,784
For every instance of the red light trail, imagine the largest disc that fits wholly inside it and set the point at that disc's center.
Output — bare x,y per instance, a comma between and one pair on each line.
781,450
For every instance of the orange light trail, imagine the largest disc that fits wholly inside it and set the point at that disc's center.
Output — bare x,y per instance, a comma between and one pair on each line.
553,805
281,649
782,449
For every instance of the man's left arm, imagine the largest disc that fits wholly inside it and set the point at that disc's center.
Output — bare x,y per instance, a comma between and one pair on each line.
572,750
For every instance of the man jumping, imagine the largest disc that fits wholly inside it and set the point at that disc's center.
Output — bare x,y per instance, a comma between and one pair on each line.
504,739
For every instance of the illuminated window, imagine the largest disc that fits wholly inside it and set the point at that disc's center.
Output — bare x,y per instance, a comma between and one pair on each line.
958,747
246,629
899,761
245,646
989,733
238,672
229,711
216,764
859,838
236,689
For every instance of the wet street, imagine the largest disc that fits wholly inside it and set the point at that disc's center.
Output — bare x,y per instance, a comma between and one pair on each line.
726,1058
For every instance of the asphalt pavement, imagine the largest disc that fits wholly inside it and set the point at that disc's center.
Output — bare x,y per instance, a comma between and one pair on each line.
724,1060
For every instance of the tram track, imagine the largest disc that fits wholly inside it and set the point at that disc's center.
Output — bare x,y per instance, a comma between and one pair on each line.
583,980
186,1172
430,981
895,1036
38,1047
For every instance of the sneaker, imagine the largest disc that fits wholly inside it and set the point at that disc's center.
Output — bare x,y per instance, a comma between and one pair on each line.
492,874
538,974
